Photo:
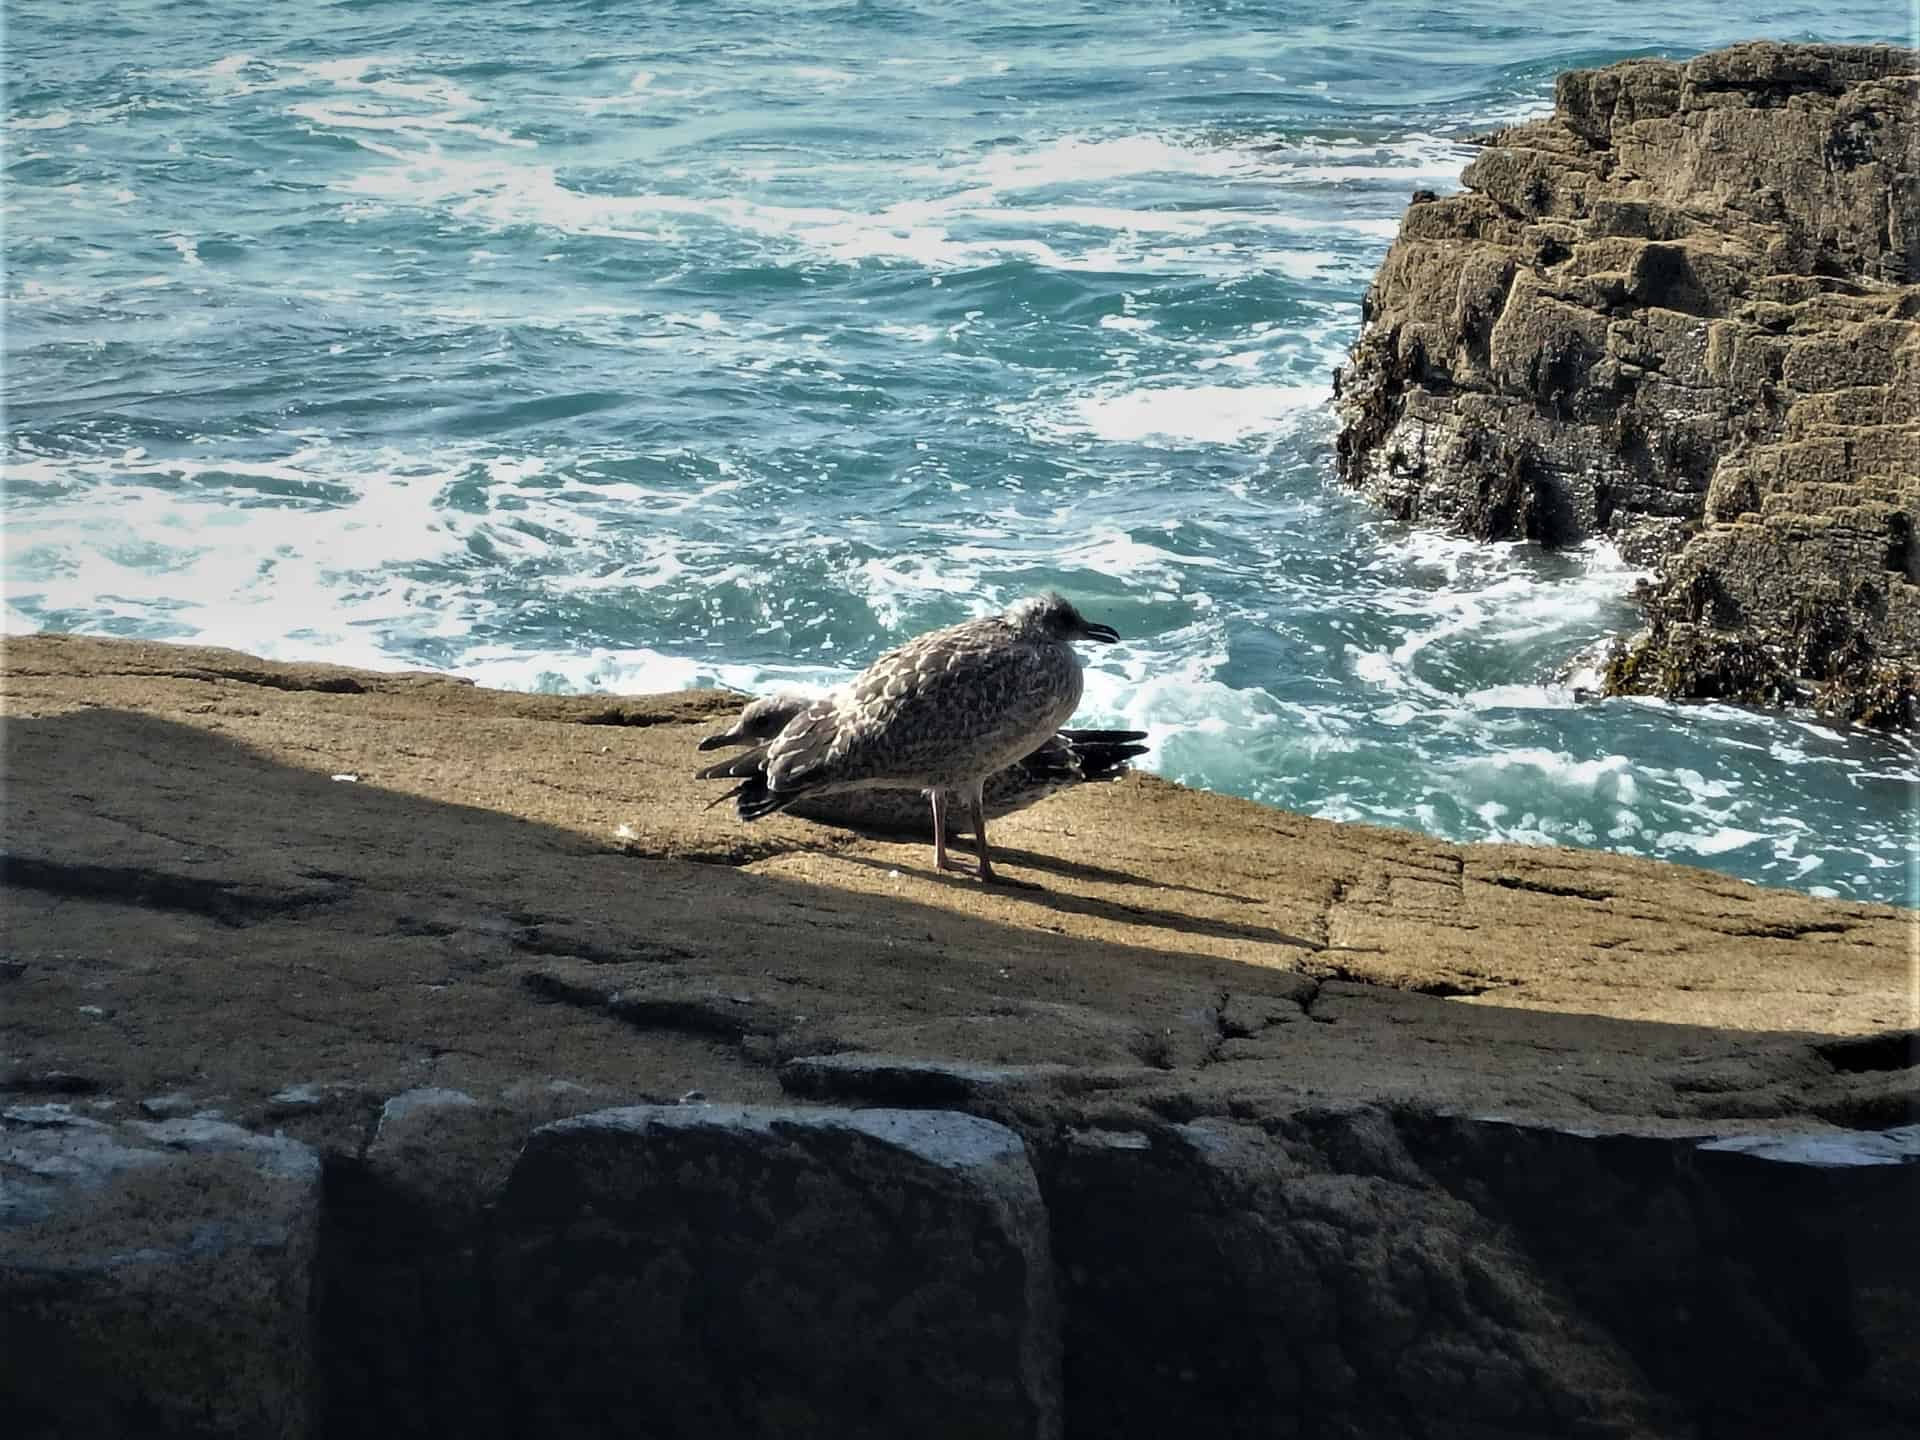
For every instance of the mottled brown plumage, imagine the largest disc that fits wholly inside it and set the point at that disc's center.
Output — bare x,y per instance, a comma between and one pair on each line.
1064,760
939,714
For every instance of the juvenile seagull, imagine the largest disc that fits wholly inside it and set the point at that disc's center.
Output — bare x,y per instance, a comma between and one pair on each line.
1066,759
939,713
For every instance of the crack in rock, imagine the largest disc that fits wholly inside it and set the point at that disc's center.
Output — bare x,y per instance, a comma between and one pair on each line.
227,902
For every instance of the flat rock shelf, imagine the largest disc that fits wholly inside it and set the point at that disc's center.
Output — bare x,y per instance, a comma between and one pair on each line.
382,1054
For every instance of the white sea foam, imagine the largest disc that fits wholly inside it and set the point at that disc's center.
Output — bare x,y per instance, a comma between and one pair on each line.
644,92
1490,593
637,671
98,115
1174,414
1711,842
1109,551
209,562
1077,159
1606,775
920,334
823,77
1414,159
342,115
1195,723
890,584
940,230
380,93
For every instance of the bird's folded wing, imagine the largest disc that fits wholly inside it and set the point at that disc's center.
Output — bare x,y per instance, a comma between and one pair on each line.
916,711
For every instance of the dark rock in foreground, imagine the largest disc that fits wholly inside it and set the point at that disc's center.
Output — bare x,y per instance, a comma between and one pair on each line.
742,1270
155,1276
1682,312
726,1270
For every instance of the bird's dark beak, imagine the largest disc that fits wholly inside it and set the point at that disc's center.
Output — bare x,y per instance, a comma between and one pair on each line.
1105,634
716,742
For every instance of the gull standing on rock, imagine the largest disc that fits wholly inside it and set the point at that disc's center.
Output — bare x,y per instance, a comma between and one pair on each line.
1065,760
940,713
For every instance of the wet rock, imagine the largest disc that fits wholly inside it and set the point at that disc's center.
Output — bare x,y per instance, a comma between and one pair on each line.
407,1106
318,1099
1898,1146
1683,313
737,1270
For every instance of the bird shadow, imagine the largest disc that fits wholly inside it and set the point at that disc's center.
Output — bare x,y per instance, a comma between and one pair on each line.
1117,911
1081,870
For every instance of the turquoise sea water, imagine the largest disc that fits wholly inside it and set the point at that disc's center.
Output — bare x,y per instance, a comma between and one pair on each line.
597,345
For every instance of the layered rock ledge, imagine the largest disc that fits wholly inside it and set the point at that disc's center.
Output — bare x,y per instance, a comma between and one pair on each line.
380,1054
1681,312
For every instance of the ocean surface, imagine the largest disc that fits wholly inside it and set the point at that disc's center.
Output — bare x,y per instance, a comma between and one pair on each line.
617,346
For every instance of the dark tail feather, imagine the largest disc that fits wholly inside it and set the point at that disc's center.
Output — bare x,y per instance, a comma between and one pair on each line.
1087,755
752,798
1054,765
1109,762
1103,754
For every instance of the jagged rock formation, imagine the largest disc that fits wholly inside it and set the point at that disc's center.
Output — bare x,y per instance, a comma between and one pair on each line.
1682,312
380,1055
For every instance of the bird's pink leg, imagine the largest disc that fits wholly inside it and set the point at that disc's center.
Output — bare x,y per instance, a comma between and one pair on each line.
939,799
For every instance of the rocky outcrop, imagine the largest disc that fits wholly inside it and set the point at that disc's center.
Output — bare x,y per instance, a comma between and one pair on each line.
1683,313
384,1055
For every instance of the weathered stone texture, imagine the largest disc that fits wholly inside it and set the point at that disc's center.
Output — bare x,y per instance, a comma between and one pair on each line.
364,1123
154,1277
1682,312
758,1271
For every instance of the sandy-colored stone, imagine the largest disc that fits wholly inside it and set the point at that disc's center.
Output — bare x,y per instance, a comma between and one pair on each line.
498,853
